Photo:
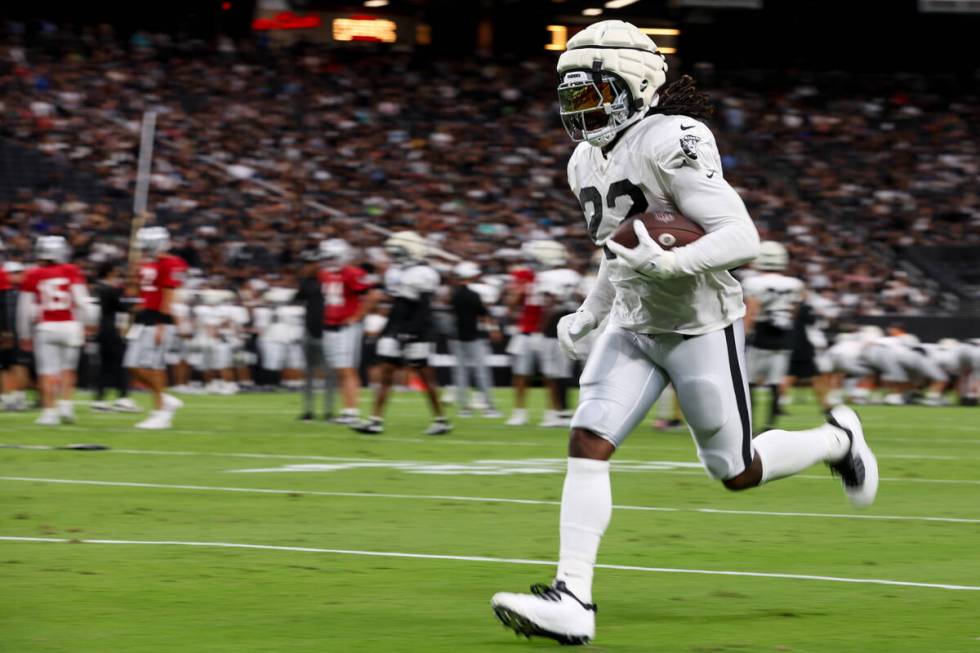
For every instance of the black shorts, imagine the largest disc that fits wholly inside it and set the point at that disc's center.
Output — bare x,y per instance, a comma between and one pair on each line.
803,368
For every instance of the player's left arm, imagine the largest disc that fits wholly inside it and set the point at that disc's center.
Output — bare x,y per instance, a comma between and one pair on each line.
731,238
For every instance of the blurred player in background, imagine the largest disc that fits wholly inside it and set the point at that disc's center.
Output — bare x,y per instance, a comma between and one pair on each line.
808,361
280,327
674,315
309,295
544,300
407,340
109,295
472,325
51,309
348,296
8,333
159,275
771,302
14,362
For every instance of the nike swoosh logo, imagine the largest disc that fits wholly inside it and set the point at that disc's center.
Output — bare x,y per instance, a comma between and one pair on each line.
712,174
684,128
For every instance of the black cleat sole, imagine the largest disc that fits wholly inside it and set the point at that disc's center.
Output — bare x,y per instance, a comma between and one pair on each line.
522,626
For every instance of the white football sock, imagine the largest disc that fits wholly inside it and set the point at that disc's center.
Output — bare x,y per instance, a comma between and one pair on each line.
586,507
785,453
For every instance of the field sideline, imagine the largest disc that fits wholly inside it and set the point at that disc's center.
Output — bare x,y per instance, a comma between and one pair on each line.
244,530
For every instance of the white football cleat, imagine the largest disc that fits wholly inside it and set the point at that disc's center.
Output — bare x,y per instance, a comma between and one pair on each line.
49,417
157,421
439,426
517,418
66,411
125,405
554,419
101,406
549,611
171,403
858,469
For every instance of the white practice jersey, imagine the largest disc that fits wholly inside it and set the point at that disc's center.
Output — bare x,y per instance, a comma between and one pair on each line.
668,163
779,298
412,281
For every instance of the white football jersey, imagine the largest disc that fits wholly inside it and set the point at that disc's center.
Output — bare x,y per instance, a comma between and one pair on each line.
668,163
779,298
412,281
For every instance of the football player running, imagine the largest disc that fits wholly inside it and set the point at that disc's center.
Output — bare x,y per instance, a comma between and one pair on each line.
772,300
149,339
52,299
407,340
674,316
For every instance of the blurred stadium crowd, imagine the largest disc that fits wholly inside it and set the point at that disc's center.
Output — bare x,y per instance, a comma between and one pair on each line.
469,153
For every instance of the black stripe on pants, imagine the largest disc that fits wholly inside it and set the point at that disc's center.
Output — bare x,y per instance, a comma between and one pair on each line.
740,399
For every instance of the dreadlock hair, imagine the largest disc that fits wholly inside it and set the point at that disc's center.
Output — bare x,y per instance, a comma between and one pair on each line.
682,98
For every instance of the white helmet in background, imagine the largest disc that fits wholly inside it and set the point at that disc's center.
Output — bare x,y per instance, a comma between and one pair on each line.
335,251
609,76
466,270
949,343
772,256
870,332
546,253
908,339
406,245
153,240
52,248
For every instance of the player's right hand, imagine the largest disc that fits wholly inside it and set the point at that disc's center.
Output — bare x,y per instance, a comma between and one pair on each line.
572,328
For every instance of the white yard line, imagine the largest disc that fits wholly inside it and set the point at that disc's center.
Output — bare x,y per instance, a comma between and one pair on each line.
486,559
450,497
37,447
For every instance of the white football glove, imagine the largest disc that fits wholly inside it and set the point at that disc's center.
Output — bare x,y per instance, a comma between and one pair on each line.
647,258
572,328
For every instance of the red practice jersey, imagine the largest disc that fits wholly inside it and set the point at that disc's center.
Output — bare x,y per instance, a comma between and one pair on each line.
4,280
342,291
167,271
530,320
51,286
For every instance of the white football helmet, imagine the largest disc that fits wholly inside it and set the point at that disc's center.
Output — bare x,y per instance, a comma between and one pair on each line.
609,75
52,248
546,253
153,241
773,257
466,270
335,251
406,246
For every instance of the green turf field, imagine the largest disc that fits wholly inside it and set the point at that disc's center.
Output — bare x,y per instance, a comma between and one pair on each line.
329,497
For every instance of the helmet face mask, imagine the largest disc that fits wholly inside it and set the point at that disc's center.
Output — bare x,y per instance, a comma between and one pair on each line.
593,108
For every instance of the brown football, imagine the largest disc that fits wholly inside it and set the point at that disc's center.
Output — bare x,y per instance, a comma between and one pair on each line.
669,230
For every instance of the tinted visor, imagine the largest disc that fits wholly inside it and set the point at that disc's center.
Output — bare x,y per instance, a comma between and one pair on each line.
583,106
582,97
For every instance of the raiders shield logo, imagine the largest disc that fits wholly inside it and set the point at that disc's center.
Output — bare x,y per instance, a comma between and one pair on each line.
689,144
